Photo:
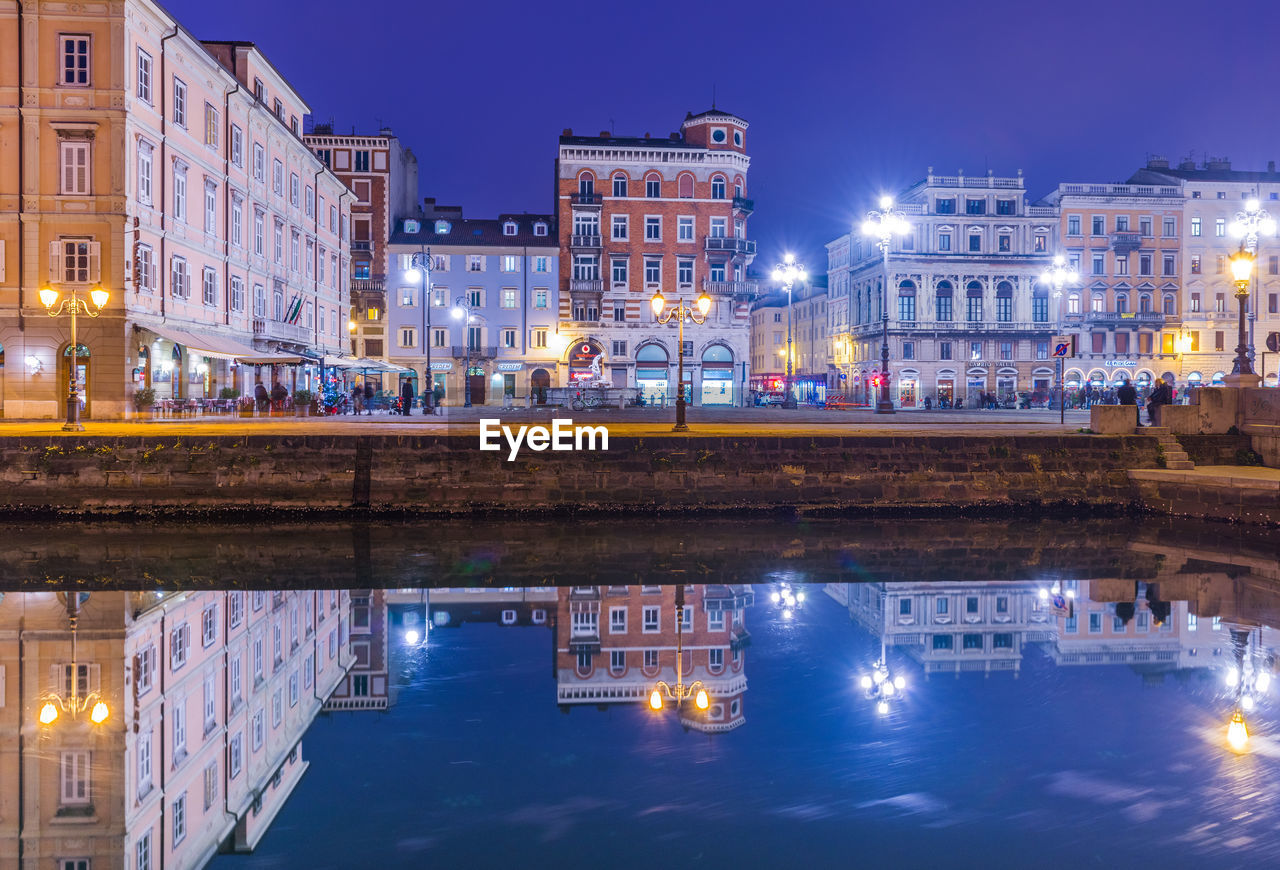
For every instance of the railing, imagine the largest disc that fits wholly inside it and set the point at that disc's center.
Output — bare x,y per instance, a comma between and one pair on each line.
1041,211
1135,317
459,351
586,199
376,284
735,246
586,285
731,288
584,241
973,181
1121,190
274,329
361,246
741,203
1124,241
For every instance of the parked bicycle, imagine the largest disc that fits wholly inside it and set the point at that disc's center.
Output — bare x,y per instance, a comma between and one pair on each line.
581,402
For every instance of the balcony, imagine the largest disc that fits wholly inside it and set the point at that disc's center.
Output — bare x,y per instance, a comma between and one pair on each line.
274,330
1125,242
1129,318
357,246
376,284
584,241
586,285
742,204
590,200
731,245
459,351
731,288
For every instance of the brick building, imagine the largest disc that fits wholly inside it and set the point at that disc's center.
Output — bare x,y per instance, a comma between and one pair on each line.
638,215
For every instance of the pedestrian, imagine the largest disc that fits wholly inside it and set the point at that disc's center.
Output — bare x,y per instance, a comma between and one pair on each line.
1161,395
406,397
278,396
439,398
260,396
1129,396
357,399
928,403
368,398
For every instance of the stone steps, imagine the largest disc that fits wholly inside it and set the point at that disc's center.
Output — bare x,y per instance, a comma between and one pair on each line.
1174,456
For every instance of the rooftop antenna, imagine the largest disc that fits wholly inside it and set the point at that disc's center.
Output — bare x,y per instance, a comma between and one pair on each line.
612,128
713,95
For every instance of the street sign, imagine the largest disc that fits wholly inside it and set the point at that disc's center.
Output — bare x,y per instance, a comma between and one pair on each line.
1064,347
1273,342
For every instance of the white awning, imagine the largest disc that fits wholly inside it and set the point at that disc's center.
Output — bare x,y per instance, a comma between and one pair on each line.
267,358
213,346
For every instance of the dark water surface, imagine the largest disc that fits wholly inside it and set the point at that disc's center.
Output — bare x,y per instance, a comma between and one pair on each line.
1066,688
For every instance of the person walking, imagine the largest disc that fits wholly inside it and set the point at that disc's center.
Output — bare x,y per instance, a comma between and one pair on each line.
406,397
368,398
1160,395
1129,396
278,396
260,396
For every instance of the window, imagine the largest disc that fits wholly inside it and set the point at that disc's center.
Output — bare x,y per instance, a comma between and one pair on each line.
651,619
362,161
943,301
278,109
145,153
277,176
1040,308
1144,227
652,228
617,661
211,126
210,703
1006,206
73,159
408,337
75,60
1099,265
540,297
1122,265
1073,225
1220,227
142,852
179,643
718,228
944,350
179,819
144,763
295,186
144,77
293,689
440,338
617,620
975,241
75,778
179,102
235,755
973,301
1195,226
975,350
618,271
277,707
975,206
684,272
1006,350
475,263
256,728
1195,264
908,350
541,264
210,207
1168,266
619,227
652,271
1098,225
684,229
717,187
1042,350
944,241
945,206
1169,227
179,720
259,162
146,668
1122,223
650,658
715,620
653,187
1144,264
620,185
209,625
180,192
1095,623
942,642
972,641
508,338
510,263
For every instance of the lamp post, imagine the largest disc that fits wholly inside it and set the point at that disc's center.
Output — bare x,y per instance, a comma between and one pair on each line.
679,693
74,306
1248,681
679,312
1059,275
463,310
883,225
1249,224
420,267
73,704
788,599
787,273
881,685
1242,273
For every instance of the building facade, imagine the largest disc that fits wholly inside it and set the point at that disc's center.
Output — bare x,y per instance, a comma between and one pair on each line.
209,695
383,178
1123,241
810,345
642,215
967,313
169,171
501,276
1213,195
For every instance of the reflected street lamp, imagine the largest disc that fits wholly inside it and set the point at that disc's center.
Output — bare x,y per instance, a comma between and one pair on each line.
881,685
74,704
787,273
790,600
420,267
883,225
1248,681
679,312
74,306
679,693
1057,276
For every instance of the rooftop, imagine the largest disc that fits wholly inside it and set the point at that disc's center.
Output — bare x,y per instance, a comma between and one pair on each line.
482,232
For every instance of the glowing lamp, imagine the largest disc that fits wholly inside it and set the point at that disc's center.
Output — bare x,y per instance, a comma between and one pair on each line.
778,276
886,201
879,677
789,259
1252,204
1044,594
412,274
48,713
776,597
1267,227
888,689
99,296
701,701
1246,703
1237,732
882,708
457,313
786,614
351,326
657,303
1263,681
411,637
704,304
899,683
866,681
655,700
869,228
48,297
1233,677
800,597
99,713
1241,266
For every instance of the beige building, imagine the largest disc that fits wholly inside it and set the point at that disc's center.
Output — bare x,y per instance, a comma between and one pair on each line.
169,171
809,342
209,694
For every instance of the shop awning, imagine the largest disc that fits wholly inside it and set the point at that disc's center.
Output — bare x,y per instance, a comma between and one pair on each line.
267,358
373,365
213,346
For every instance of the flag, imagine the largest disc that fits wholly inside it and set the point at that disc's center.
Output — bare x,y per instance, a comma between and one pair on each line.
294,311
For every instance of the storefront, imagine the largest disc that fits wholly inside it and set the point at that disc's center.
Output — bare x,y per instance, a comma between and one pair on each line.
586,361
946,388
908,388
1006,384
539,384
975,385
652,373
717,376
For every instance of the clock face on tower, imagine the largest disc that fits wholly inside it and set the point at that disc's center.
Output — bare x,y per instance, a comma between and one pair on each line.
719,135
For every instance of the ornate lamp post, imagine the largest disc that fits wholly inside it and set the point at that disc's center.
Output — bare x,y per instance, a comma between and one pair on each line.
1249,224
881,685
679,693
787,273
1248,681
73,704
1242,273
420,267
463,310
883,225
1057,276
679,312
74,306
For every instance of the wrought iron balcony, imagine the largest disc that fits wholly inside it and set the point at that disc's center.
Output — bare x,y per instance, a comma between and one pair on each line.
357,245
1125,241
731,245
741,203
1132,318
586,285
278,331
584,241
459,351
731,288
591,199
375,284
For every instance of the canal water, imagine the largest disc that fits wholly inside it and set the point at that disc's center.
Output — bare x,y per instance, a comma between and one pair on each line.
1003,693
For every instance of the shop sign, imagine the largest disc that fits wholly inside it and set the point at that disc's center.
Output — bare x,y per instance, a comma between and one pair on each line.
510,366
1122,363
441,366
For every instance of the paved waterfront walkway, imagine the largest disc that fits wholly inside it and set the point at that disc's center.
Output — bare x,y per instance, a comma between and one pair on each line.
1236,476
631,421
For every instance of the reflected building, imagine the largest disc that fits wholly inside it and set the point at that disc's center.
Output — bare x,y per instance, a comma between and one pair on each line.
614,643
209,696
951,627
451,606
367,685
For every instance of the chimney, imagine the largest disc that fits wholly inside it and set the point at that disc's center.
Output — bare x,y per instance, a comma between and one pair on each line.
1157,162
674,137
386,133
1219,164
1187,163
646,135
567,131
604,134
1271,166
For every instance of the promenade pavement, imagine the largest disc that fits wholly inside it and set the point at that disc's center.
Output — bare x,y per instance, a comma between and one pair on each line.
621,422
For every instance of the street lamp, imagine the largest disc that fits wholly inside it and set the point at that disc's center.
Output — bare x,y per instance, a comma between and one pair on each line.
1059,275
883,225
679,312
790,600
1249,224
1241,274
74,704
1249,681
679,693
463,310
787,273
420,266
881,685
74,306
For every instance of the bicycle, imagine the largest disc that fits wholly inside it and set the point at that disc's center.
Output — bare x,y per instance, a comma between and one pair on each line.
581,402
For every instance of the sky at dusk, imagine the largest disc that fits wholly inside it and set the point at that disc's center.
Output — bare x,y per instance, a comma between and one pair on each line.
843,99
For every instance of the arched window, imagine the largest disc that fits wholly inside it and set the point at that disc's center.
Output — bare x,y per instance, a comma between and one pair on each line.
653,185
973,302
1122,303
620,184
684,186
942,297
586,183
1073,303
717,187
1040,304
739,186
1170,307
907,301
1004,302
1144,303
1098,303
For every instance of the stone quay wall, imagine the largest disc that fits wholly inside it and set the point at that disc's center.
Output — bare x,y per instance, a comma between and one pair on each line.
450,475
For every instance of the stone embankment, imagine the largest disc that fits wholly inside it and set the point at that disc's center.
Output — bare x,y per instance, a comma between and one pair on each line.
448,474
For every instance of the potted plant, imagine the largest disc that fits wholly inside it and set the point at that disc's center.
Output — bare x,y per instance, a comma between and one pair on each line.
302,402
245,406
144,398
228,393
